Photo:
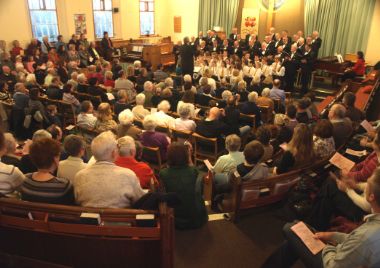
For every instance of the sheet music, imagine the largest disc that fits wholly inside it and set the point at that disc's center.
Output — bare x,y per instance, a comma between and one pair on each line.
356,153
307,237
341,162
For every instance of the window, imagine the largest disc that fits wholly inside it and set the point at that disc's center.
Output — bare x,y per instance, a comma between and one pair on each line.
43,17
103,17
146,17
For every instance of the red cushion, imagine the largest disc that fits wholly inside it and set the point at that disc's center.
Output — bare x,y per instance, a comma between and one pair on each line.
366,89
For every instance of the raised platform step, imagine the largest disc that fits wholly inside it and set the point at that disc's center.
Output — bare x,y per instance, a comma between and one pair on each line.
324,91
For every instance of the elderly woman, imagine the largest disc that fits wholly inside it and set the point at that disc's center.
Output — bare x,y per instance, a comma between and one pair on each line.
139,112
42,186
182,178
152,138
183,122
104,120
227,163
188,99
242,91
126,126
9,157
126,159
161,116
265,100
82,86
109,83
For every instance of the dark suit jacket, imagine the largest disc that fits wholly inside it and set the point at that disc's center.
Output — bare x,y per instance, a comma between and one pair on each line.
198,40
187,59
309,58
212,129
252,109
105,45
202,99
236,51
232,38
271,48
96,91
92,55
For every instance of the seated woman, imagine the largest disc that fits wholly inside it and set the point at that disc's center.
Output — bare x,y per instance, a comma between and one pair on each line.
163,119
232,116
324,145
139,111
227,163
69,97
126,126
357,70
86,118
183,122
9,157
10,176
42,186
188,98
280,133
152,138
182,178
104,120
299,151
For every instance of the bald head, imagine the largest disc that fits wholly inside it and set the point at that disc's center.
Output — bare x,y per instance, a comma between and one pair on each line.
214,113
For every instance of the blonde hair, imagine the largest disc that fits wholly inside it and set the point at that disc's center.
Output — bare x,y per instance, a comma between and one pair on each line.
104,112
301,144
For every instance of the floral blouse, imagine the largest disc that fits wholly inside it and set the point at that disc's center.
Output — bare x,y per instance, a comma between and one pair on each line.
323,148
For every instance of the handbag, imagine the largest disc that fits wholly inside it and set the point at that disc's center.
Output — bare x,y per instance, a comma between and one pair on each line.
27,121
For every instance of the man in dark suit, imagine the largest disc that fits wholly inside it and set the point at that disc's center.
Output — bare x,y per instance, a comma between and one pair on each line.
316,43
187,57
233,36
212,127
107,46
199,39
236,50
215,48
301,45
270,48
307,63
291,65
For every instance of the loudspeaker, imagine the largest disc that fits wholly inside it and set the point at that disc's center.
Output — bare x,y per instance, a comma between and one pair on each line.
115,10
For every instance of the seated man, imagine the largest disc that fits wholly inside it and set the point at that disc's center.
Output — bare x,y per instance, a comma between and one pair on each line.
126,159
75,148
357,249
342,126
250,107
352,112
10,176
276,92
104,184
212,127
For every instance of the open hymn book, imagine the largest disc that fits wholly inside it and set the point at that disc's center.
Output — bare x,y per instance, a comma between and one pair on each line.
307,237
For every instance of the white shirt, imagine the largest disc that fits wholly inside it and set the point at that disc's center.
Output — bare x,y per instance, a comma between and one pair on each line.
106,185
184,124
139,112
86,120
70,167
164,120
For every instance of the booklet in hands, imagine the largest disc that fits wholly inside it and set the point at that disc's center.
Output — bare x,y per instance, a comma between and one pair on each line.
342,162
306,235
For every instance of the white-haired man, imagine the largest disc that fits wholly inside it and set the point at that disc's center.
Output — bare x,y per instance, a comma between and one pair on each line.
139,112
342,125
104,184
126,159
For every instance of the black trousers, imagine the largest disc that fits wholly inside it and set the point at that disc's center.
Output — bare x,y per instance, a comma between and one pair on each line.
348,75
331,201
305,80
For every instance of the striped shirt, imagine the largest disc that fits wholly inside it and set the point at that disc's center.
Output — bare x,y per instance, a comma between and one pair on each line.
54,191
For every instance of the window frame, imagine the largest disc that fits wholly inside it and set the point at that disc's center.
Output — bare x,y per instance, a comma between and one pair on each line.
154,17
93,20
56,15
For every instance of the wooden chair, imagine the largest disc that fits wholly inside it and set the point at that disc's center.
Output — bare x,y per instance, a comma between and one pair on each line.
66,110
181,135
206,148
152,156
95,100
64,240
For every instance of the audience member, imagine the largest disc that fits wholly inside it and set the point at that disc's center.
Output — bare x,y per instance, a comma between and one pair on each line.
86,117
139,112
342,126
323,140
104,120
126,126
227,163
104,184
183,123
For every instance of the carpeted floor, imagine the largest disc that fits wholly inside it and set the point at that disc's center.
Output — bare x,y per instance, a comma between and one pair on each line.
224,244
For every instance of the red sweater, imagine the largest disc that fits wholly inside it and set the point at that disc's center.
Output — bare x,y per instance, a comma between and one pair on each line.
363,170
141,169
359,67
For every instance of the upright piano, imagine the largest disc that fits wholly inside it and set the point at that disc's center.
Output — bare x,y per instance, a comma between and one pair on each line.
332,67
155,54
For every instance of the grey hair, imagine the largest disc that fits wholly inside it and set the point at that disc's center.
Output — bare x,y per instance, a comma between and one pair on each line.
148,86
226,94
184,110
103,145
126,145
81,78
163,105
140,99
41,134
233,143
149,122
126,117
265,92
10,143
169,82
252,97
339,110
187,78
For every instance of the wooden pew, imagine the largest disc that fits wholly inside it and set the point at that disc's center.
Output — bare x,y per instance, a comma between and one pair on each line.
66,110
54,234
